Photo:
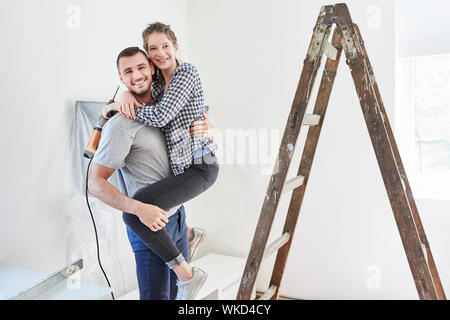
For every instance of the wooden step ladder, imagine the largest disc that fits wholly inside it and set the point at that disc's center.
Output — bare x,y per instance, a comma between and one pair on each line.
346,36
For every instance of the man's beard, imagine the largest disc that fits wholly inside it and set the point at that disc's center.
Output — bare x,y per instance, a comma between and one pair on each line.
142,95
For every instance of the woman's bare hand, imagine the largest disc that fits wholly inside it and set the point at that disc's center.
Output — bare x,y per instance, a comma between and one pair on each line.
127,103
201,128
110,107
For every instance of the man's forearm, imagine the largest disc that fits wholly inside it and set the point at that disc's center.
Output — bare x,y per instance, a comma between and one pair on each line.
106,192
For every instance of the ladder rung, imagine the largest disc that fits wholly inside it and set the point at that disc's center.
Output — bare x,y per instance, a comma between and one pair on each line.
330,51
277,244
269,293
292,184
311,120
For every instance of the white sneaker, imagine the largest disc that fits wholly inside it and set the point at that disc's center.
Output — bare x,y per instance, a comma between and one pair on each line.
188,290
199,236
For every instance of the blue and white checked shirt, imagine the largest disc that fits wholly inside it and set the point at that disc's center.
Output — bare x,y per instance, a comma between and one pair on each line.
174,111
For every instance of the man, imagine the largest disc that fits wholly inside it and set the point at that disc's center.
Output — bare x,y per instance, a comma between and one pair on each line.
139,154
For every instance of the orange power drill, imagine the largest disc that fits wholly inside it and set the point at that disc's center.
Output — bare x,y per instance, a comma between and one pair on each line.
97,132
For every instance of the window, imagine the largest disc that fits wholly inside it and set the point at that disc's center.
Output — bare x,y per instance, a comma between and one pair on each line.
423,123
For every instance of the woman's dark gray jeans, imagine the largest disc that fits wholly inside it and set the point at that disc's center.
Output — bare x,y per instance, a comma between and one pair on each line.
168,193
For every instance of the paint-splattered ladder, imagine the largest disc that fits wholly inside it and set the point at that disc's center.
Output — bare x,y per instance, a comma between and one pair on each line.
346,36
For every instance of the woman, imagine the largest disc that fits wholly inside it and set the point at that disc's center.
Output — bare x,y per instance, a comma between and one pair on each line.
178,100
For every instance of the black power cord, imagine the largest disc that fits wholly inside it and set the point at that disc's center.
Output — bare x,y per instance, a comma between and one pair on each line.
95,228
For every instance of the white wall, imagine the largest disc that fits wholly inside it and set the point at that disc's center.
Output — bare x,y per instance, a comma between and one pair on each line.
422,27
419,27
346,244
46,66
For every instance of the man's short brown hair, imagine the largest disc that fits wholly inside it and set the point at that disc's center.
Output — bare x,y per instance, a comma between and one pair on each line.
129,52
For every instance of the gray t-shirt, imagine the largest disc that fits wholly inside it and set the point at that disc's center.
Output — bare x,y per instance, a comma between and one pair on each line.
136,151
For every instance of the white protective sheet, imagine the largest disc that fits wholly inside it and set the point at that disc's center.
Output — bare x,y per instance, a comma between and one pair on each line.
115,249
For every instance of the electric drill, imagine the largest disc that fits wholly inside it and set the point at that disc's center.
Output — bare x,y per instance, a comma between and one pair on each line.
97,132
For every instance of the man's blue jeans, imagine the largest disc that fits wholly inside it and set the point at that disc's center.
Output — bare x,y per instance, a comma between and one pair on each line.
155,279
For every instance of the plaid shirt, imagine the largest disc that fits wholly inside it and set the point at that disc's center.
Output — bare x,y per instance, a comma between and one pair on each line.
174,111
